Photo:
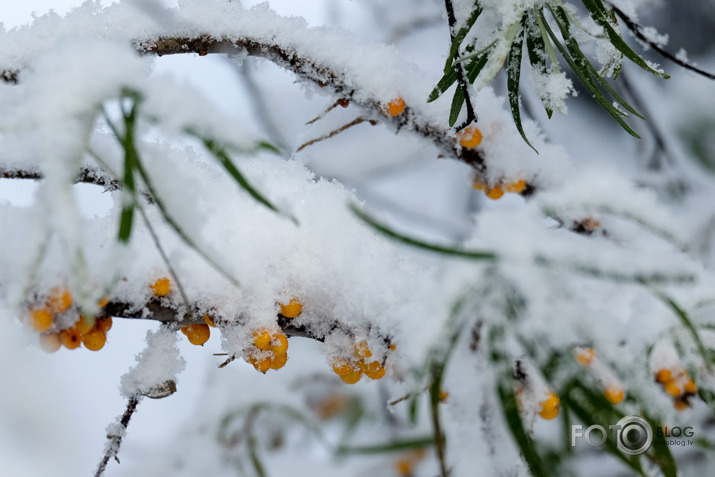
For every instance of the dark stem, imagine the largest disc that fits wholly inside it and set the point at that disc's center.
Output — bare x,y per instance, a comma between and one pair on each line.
638,32
115,441
461,77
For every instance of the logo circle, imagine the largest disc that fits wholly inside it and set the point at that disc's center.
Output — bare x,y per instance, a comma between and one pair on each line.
634,435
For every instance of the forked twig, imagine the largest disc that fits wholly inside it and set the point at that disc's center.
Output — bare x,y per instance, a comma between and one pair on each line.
352,123
115,438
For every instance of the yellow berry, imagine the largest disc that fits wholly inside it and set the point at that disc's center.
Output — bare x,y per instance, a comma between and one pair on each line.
672,388
680,405
351,378
478,184
469,137
83,325
614,394
279,361
550,406
59,301
362,350
279,344
516,187
105,323
443,396
50,342
262,365
691,387
103,302
395,107
198,334
161,287
262,339
70,338
495,193
292,309
209,321
41,319
585,356
377,373
95,339
342,366
663,375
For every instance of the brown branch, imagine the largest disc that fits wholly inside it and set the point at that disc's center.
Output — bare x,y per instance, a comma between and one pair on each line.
335,132
115,440
86,175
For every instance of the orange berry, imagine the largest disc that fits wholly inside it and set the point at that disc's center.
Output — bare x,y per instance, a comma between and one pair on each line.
83,325
41,319
495,193
614,394
362,350
161,287
672,388
198,334
262,365
469,137
585,356
292,309
279,361
262,339
443,396
395,107
50,342
351,378
342,366
209,321
377,373
404,467
279,345
516,187
663,375
392,347
184,329
680,405
550,406
70,338
103,302
691,387
59,301
105,323
478,184
95,339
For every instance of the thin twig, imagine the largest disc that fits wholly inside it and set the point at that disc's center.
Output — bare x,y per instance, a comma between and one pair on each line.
638,32
115,440
461,77
352,123
340,102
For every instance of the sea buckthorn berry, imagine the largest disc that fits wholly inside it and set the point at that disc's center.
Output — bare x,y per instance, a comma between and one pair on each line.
279,361
342,366
478,184
663,375
376,373
83,325
292,309
585,355
614,394
103,302
680,405
672,388
50,342
262,339
95,339
279,344
105,323
161,287
392,347
261,364
443,396
550,406
41,319
469,137
495,192
59,301
362,350
395,107
70,338
516,187
691,387
351,378
209,321
198,334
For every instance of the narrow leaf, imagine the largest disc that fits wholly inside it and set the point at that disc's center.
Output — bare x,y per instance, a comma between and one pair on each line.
394,446
457,102
513,72
459,37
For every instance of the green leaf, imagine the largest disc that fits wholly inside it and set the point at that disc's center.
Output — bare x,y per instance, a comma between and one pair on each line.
393,446
457,102
513,72
459,37
443,85
599,16
507,399
536,49
688,324
471,254
475,66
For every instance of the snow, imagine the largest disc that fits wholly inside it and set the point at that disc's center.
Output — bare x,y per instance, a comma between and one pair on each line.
550,289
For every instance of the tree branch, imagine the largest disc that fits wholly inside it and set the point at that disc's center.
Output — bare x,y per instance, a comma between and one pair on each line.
115,438
461,77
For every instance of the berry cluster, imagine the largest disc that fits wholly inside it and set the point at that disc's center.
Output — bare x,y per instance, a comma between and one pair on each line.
497,191
351,368
269,350
678,384
612,389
